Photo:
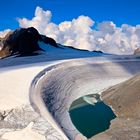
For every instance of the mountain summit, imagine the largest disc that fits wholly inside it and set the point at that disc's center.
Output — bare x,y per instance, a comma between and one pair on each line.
24,42
27,42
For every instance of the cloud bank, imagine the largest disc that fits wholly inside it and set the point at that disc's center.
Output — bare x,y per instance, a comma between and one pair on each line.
82,33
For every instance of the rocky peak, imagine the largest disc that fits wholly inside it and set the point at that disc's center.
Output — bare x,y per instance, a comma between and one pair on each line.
23,41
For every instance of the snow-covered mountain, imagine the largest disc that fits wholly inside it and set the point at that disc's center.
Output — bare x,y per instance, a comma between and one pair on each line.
39,79
26,42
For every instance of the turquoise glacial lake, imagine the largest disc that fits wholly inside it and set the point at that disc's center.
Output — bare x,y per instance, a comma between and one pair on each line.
91,119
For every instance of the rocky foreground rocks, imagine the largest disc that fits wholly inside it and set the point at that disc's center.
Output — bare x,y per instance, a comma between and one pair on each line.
18,119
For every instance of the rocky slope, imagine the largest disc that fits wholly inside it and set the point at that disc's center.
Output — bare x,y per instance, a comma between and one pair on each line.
125,101
23,42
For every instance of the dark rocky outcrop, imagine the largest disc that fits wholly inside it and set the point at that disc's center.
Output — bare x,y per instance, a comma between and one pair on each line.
23,42
48,40
97,51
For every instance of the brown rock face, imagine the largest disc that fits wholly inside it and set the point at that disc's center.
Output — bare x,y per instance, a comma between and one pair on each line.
23,42
124,98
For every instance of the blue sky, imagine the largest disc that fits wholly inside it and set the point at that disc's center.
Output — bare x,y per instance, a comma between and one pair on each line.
118,11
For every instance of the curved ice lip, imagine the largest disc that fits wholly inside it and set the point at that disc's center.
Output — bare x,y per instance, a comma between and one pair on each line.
91,99
54,89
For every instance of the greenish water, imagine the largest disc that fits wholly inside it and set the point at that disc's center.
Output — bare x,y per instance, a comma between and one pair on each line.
92,119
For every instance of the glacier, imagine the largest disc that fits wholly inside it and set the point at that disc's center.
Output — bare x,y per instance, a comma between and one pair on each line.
51,81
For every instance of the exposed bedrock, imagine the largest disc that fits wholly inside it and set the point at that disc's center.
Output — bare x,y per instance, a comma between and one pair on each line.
125,100
58,86
23,41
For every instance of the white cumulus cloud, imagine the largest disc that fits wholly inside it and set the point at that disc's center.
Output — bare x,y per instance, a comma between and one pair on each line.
80,33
